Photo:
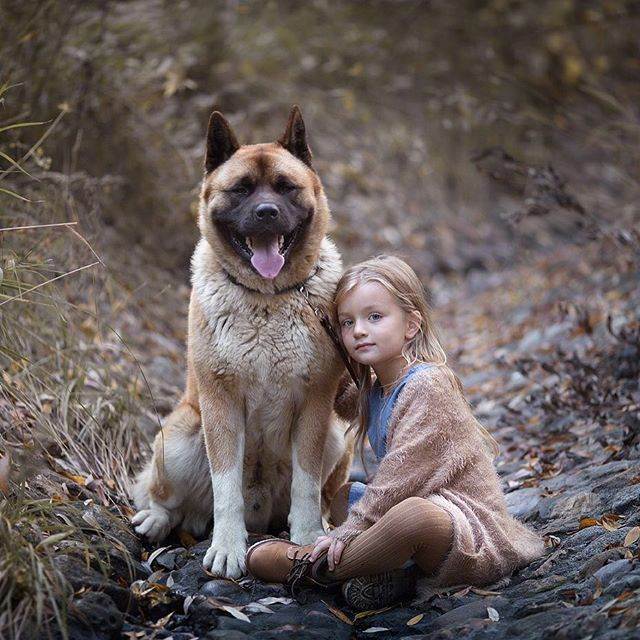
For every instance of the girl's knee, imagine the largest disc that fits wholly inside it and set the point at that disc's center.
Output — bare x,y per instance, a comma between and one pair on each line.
425,527
421,512
417,507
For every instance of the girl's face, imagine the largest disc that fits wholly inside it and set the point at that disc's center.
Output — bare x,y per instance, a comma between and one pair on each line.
373,325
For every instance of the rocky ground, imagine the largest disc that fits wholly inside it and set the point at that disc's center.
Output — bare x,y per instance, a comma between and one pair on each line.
557,385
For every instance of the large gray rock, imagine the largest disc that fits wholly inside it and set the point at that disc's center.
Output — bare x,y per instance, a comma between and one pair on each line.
80,576
97,614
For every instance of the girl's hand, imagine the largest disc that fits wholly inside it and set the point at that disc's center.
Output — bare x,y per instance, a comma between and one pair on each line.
334,548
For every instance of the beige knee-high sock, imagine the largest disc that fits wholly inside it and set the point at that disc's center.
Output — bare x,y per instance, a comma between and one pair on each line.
414,528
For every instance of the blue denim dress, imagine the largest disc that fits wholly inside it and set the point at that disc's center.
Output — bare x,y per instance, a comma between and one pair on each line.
380,410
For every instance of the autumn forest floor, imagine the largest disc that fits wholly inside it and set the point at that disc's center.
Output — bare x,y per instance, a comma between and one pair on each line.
535,285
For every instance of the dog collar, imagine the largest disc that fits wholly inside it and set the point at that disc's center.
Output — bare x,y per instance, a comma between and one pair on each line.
293,287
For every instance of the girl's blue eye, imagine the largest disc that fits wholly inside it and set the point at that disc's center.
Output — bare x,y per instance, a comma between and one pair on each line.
345,323
375,316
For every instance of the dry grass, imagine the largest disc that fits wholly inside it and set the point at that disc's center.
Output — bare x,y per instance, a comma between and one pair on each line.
70,393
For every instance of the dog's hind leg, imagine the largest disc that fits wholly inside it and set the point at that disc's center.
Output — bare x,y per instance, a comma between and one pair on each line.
176,481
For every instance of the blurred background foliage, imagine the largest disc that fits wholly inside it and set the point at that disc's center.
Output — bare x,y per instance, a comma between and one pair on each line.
397,97
432,125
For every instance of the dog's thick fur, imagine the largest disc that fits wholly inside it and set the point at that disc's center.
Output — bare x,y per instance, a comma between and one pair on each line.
255,438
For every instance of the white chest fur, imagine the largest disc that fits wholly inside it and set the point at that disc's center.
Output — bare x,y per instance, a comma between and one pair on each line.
273,347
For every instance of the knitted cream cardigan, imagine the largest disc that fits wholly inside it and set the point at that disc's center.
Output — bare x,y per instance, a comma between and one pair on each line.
435,451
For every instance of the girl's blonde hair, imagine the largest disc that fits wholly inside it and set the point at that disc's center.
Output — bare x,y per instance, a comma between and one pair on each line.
403,284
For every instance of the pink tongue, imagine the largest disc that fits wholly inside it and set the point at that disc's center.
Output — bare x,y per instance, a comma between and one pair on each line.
266,258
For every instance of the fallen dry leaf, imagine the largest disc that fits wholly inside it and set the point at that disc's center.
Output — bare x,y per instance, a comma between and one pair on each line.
484,592
341,615
147,563
415,620
275,600
632,536
5,469
588,522
186,539
370,612
611,521
598,592
256,607
160,624
235,612
493,614
76,478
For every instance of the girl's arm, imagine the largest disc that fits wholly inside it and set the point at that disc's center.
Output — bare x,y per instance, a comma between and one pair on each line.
431,442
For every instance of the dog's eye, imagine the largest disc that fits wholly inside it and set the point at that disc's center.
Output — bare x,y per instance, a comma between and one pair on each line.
284,186
239,190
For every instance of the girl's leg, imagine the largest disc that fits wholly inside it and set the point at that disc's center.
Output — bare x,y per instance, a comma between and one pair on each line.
340,505
415,528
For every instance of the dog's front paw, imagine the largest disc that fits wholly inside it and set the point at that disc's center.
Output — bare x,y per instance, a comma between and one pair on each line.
306,535
225,556
153,523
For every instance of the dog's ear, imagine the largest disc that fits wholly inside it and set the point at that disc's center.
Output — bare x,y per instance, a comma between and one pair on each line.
294,139
221,142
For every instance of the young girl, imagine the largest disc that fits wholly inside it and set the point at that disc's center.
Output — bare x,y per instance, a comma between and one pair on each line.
436,498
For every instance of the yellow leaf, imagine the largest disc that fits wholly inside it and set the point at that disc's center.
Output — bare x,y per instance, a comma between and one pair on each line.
341,615
588,522
370,612
573,69
632,536
415,620
77,479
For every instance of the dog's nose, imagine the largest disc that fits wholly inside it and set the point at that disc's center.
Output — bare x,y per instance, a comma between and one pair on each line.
267,210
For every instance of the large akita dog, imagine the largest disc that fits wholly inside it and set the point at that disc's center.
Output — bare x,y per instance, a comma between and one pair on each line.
255,437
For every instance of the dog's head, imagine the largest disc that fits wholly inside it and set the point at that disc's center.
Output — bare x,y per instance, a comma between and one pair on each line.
262,206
